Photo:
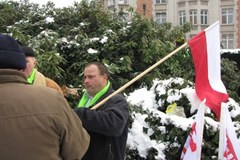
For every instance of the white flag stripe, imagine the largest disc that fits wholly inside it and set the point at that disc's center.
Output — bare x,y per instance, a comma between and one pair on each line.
193,144
213,49
200,128
232,134
222,134
228,134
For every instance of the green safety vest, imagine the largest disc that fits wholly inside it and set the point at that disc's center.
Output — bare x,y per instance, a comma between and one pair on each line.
32,76
85,98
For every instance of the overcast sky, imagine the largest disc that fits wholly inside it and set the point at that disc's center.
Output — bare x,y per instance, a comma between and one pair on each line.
58,3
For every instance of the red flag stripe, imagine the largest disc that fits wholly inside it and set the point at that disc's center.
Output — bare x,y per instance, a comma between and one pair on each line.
229,152
204,88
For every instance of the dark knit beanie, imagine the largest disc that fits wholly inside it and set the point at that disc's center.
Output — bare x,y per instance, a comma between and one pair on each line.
11,55
28,51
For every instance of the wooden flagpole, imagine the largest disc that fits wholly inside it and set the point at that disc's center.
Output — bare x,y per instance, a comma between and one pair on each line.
140,75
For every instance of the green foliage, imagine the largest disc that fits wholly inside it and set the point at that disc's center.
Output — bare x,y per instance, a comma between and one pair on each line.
133,154
180,65
231,77
50,61
128,48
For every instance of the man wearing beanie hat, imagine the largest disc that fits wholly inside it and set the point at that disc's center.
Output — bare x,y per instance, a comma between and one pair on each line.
11,55
34,76
36,122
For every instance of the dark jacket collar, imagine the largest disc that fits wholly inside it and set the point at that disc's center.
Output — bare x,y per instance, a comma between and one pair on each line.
12,76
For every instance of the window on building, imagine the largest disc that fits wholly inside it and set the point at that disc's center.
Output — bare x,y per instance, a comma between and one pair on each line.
227,16
161,17
193,17
182,17
111,2
160,1
204,17
227,41
122,1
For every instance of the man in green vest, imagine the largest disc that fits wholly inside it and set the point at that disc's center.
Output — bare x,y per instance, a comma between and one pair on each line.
107,125
33,75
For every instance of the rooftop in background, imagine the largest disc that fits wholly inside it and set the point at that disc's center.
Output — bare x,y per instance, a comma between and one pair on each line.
233,51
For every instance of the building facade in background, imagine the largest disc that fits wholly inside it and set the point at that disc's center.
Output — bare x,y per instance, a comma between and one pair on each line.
201,13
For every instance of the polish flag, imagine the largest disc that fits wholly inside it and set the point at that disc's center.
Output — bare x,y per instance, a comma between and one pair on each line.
193,145
229,148
205,49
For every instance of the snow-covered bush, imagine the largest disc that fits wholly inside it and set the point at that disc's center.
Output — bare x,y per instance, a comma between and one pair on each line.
157,135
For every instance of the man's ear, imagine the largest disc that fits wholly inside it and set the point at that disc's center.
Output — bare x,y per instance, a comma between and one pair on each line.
34,60
105,77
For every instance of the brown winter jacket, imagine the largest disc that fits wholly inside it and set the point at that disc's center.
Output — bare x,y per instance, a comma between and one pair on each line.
41,80
52,84
36,123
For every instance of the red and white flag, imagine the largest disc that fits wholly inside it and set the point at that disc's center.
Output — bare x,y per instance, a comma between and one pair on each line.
229,148
205,49
193,145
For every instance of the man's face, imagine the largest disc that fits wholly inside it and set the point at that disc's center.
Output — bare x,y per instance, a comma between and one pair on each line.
93,81
30,64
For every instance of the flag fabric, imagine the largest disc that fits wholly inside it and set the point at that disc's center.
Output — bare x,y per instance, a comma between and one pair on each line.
229,148
205,49
193,145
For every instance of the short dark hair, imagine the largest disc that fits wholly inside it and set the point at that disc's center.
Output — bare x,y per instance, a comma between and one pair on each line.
102,68
28,51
